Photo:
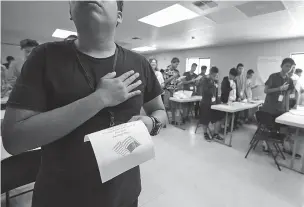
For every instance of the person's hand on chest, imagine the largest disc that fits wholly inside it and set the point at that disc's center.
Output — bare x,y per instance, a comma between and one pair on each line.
116,90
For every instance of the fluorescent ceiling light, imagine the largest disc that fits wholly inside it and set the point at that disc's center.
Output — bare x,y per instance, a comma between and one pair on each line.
170,15
60,33
144,49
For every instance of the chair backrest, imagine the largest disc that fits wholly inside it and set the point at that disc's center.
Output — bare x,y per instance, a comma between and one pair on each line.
20,170
265,119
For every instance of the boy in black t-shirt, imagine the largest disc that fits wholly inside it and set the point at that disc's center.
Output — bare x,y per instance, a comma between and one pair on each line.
72,88
210,97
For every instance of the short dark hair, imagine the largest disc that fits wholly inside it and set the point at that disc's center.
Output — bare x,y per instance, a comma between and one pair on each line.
175,60
298,70
239,65
28,43
162,70
9,58
120,5
249,72
204,67
194,64
214,69
233,72
288,60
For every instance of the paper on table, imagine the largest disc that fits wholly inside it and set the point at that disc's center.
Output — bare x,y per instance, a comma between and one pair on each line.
120,148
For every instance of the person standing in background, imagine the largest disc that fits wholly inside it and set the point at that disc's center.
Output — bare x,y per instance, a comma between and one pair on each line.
298,87
189,81
171,85
171,75
249,85
158,74
248,94
5,87
189,85
278,88
294,95
241,81
210,97
9,60
241,85
199,88
228,87
26,45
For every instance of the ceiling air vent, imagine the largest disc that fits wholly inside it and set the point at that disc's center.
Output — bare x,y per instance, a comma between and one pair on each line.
203,5
136,38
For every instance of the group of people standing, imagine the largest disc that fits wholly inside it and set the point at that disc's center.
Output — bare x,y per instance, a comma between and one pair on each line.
11,70
282,90
171,81
235,87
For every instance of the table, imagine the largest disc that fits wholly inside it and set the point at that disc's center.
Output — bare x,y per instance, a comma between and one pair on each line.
233,108
185,100
291,119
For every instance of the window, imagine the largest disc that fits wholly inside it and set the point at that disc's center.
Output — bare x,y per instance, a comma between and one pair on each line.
299,59
200,62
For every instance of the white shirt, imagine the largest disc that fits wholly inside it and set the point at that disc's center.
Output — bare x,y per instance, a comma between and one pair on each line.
232,93
248,89
295,78
160,78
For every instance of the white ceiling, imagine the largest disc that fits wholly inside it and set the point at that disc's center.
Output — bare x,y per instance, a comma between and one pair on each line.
227,24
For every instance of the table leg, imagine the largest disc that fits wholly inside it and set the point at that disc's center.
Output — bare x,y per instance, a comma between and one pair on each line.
294,149
226,123
179,108
225,132
231,129
291,166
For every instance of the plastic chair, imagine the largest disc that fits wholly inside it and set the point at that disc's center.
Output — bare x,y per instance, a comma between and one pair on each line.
268,131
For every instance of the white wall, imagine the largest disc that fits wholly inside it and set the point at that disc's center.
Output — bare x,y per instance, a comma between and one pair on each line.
226,57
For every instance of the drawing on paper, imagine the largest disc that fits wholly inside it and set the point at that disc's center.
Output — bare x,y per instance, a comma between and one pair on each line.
127,146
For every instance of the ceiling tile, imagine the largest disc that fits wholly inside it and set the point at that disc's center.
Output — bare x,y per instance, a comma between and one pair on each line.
226,15
256,8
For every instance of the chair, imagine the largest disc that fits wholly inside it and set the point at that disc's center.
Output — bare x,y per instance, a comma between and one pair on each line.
268,131
19,170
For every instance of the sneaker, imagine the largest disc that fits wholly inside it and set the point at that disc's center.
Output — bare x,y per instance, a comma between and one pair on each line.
265,149
207,137
218,137
297,156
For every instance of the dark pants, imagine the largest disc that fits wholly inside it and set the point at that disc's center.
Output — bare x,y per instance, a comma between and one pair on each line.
197,109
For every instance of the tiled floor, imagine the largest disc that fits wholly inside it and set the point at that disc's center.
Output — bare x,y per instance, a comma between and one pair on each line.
189,172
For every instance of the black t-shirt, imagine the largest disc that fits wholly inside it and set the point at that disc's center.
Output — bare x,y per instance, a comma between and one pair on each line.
51,78
272,104
210,91
189,77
